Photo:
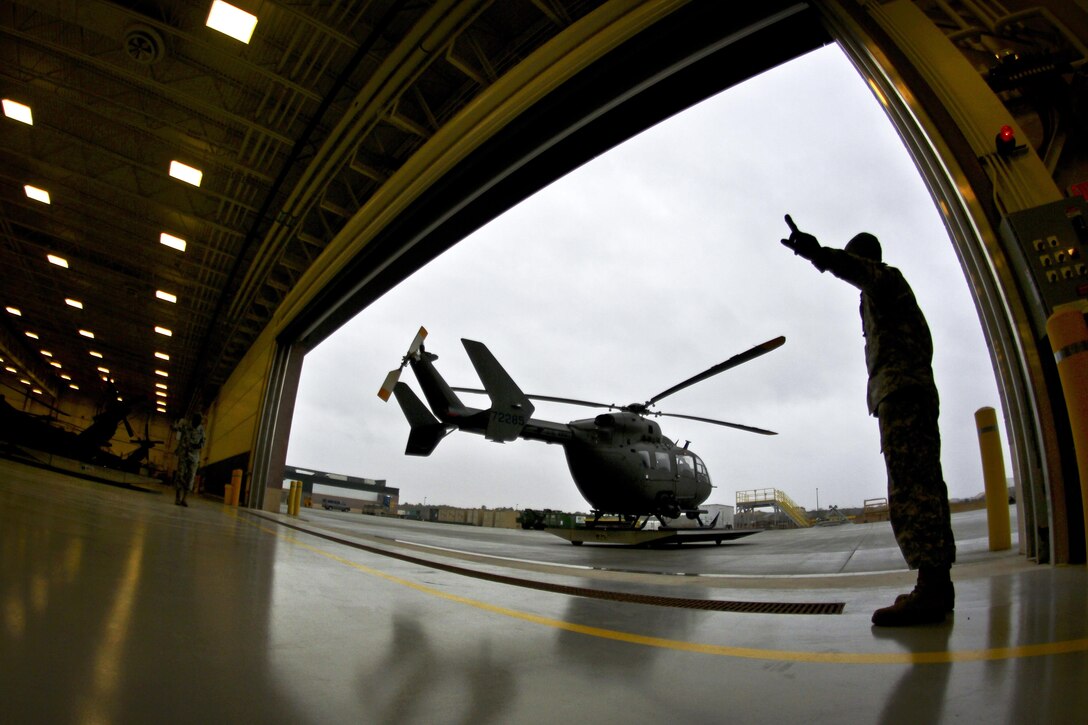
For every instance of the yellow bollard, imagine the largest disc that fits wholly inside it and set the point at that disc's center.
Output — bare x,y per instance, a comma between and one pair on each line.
295,498
226,495
235,486
993,475
1069,339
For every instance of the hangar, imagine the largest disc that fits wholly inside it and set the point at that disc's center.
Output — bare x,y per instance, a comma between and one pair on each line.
340,146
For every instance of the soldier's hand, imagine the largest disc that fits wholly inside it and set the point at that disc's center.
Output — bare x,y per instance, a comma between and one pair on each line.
801,243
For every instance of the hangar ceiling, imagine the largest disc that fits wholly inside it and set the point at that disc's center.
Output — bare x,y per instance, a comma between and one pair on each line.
291,131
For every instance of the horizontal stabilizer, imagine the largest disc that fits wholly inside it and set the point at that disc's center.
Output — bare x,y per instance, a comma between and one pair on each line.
510,408
427,431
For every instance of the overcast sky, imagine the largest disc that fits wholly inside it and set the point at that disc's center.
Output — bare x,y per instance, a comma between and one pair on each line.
652,263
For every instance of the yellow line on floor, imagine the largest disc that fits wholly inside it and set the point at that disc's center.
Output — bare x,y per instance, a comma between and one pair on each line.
848,658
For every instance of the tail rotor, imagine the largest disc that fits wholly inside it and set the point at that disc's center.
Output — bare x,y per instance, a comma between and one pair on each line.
393,377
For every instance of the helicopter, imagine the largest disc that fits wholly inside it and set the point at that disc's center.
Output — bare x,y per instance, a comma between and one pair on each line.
619,460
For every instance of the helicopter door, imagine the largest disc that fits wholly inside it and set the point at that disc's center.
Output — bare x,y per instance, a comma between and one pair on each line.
685,466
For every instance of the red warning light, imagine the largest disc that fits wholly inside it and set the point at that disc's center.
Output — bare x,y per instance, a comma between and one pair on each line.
1006,141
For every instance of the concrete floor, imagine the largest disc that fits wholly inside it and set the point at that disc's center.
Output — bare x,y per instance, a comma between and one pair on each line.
117,606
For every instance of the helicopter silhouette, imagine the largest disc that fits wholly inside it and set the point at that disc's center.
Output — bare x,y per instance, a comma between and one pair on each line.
619,460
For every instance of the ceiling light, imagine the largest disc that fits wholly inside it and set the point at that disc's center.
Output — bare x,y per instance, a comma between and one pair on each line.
160,409
24,381
186,173
36,390
87,333
162,373
166,296
162,356
37,194
164,331
55,364
173,242
104,371
65,376
73,386
59,261
10,369
160,393
18,112
46,353
161,386
73,303
32,335
232,21
96,354
14,311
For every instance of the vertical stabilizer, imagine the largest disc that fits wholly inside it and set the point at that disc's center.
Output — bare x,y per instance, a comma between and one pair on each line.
510,409
427,431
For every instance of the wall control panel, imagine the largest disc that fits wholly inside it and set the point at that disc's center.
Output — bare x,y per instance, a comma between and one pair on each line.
1050,243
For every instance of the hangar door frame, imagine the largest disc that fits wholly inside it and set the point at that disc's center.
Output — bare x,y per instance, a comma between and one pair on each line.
937,140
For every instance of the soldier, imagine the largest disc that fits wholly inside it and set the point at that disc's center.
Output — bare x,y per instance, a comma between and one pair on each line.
190,437
903,397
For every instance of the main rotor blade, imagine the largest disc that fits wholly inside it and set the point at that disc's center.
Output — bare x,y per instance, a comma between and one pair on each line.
732,362
545,398
738,426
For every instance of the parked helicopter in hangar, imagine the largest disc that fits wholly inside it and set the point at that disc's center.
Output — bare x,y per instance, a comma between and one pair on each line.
619,460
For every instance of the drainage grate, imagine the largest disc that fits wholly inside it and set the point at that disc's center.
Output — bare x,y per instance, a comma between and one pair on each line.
714,605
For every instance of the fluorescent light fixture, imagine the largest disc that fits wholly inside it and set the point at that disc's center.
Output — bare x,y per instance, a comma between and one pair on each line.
96,354
24,381
162,373
55,364
104,371
162,356
32,335
10,369
46,353
166,296
65,376
73,303
73,386
87,333
37,194
59,261
160,393
14,311
186,173
232,21
36,390
161,386
160,409
18,112
173,242
164,331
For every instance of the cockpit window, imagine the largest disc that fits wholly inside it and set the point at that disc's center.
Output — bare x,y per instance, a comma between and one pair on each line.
685,464
645,456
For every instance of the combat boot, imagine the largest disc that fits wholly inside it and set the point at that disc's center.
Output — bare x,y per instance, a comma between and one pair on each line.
933,598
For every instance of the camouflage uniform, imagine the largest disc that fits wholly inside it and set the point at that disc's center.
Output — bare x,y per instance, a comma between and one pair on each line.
190,440
903,397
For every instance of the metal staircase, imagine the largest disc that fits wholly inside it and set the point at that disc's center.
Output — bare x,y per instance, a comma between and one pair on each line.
748,501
